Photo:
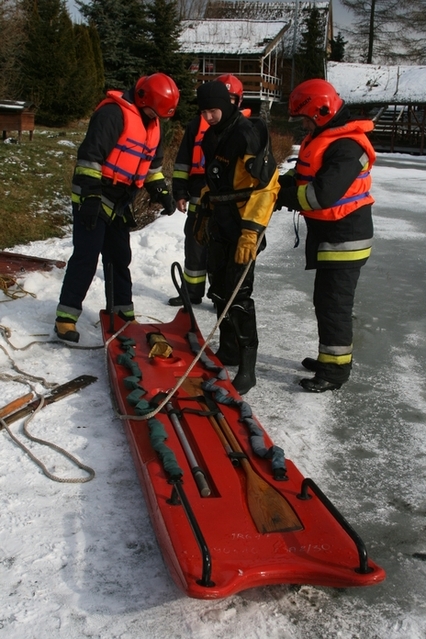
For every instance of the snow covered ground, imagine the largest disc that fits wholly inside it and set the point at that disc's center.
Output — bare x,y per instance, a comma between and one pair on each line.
81,559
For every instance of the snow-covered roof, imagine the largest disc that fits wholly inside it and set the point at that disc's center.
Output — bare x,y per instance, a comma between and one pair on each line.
230,37
378,84
15,105
260,10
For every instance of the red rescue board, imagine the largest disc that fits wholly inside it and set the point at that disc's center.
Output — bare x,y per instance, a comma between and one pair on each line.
223,543
16,264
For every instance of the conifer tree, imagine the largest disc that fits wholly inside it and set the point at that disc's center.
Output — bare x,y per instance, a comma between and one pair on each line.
310,57
387,31
121,26
98,60
164,54
85,78
12,30
411,29
48,61
337,46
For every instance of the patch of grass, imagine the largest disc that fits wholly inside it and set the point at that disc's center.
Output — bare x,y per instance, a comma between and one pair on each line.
35,185
35,182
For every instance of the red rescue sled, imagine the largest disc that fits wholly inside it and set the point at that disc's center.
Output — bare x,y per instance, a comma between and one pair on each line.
228,511
18,264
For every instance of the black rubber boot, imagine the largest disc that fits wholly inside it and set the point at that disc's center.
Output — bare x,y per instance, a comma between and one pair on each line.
243,318
246,377
310,364
178,301
327,376
228,351
318,385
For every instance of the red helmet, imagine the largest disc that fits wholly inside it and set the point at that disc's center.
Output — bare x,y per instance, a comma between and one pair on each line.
158,92
234,86
315,99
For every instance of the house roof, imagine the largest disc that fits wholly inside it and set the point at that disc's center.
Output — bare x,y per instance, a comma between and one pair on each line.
15,105
243,10
237,27
230,37
378,84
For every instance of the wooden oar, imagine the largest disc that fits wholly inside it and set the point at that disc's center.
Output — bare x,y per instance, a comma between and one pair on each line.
270,510
55,395
15,405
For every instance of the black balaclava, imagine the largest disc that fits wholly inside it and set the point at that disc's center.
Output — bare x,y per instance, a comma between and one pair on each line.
215,95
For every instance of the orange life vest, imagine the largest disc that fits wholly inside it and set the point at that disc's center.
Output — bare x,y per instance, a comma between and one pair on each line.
310,160
130,159
198,159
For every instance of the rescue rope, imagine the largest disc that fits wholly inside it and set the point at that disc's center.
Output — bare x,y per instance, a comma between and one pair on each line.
6,283
61,451
199,354
23,378
6,333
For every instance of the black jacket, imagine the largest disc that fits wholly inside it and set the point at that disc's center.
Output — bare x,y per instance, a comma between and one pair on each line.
104,130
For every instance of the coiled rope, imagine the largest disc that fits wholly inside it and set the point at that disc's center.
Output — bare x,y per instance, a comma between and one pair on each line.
23,378
6,284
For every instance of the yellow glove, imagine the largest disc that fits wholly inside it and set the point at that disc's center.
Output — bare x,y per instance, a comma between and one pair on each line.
246,247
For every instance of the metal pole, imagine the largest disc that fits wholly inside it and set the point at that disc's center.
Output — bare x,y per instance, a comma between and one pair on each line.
197,472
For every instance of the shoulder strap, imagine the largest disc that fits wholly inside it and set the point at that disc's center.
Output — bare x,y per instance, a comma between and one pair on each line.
262,166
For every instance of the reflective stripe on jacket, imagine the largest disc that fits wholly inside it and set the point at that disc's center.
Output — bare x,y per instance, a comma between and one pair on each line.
130,159
310,161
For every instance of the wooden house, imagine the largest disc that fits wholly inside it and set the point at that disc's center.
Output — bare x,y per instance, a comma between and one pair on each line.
252,40
17,116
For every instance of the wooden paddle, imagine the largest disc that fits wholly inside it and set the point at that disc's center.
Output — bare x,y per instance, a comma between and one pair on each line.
15,405
270,510
55,395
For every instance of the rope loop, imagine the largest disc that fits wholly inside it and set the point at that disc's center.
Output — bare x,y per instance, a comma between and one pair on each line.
6,284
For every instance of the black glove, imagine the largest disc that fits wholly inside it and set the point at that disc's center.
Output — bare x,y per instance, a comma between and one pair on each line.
202,217
166,200
89,211
287,181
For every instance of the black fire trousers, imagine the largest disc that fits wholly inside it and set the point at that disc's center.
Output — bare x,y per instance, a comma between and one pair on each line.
334,293
112,241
